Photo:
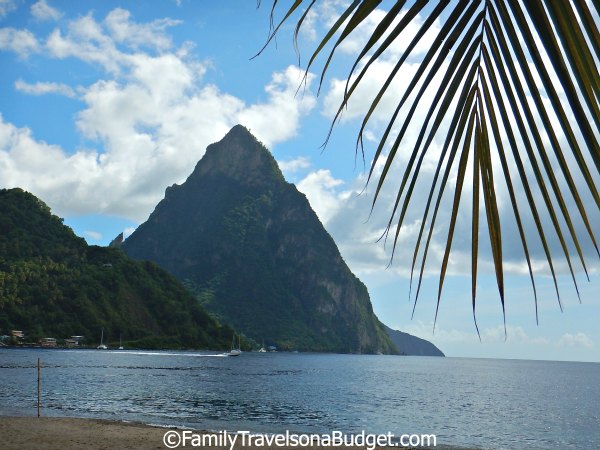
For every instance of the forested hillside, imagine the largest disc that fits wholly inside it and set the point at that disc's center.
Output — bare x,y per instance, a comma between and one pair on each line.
52,284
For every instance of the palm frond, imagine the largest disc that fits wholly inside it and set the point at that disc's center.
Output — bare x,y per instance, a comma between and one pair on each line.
516,94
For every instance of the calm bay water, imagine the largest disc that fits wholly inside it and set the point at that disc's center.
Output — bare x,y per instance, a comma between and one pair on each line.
491,404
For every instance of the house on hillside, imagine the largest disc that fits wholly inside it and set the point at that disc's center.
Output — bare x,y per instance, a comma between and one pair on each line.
17,334
48,342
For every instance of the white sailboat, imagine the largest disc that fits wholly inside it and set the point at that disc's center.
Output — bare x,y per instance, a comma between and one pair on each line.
102,346
235,351
120,342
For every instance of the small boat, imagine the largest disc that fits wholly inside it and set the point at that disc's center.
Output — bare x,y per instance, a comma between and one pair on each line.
120,342
235,351
262,349
102,346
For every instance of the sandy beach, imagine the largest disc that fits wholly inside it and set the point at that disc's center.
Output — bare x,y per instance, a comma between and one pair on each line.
67,433
24,433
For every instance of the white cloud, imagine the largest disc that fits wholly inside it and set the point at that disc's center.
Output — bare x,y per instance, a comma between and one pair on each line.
309,26
575,340
42,88
359,230
279,117
135,35
359,37
320,189
21,42
86,41
128,232
362,98
43,11
442,335
327,12
6,6
97,42
515,335
294,165
93,235
38,166
152,129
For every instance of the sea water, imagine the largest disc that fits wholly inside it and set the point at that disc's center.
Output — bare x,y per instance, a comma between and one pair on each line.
485,403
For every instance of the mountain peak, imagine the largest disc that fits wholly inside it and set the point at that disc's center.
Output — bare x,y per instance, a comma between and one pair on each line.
239,155
239,131
255,254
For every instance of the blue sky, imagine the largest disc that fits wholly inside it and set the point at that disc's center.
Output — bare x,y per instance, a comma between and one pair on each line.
103,104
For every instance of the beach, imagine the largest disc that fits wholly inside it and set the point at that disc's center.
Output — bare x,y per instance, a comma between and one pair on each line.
69,433
49,433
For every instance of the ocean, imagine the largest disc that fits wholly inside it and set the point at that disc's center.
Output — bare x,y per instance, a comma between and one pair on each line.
483,403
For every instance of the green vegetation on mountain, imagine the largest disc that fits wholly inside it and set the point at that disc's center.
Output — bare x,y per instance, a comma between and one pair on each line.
250,247
52,284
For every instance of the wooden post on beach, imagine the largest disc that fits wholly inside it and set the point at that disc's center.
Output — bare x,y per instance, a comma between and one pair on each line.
38,405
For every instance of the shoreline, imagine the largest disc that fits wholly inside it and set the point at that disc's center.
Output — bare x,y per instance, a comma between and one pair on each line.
70,433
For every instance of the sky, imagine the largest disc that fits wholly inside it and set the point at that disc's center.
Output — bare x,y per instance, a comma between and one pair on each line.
104,104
